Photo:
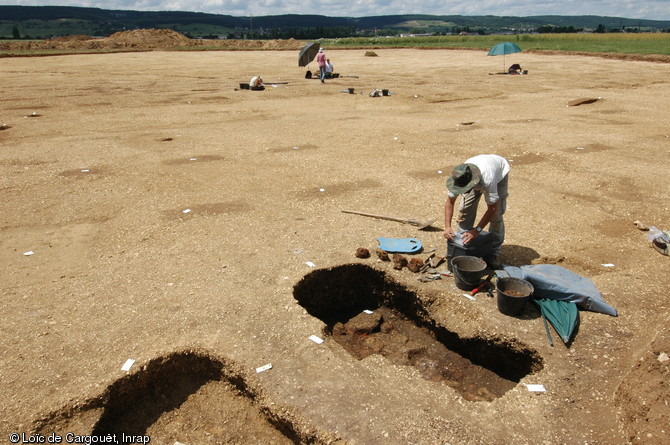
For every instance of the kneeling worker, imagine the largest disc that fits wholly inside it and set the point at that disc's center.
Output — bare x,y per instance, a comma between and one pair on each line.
256,83
482,174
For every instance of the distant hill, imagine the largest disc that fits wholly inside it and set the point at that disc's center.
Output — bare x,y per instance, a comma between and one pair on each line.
55,21
510,22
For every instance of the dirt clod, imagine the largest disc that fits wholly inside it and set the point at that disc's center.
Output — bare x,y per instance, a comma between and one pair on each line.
415,264
383,255
362,323
362,252
399,261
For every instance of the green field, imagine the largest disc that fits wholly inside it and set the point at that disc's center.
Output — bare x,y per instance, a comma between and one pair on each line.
618,43
637,43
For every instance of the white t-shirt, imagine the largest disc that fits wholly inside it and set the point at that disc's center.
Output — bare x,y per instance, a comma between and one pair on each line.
493,169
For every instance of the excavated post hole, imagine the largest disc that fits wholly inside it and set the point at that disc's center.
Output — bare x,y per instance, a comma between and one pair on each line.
187,396
400,328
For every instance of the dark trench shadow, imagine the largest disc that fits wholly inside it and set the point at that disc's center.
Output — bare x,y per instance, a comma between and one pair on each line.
338,294
135,402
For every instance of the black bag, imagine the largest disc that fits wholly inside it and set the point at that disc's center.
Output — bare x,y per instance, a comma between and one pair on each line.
308,74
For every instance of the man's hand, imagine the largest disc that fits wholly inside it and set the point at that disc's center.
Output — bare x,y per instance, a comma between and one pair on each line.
449,233
470,235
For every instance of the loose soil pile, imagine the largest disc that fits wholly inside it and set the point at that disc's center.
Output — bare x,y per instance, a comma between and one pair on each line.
144,40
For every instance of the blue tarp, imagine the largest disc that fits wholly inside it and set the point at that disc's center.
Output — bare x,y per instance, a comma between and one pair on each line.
558,283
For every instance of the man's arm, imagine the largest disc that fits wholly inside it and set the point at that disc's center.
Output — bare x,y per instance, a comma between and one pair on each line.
485,219
448,215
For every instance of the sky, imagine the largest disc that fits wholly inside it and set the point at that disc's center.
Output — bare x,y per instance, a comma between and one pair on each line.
643,9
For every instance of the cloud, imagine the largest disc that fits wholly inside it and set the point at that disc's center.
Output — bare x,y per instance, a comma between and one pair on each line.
649,9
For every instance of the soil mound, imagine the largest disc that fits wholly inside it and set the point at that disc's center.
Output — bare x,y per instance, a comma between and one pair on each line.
139,40
145,40
276,44
149,38
282,44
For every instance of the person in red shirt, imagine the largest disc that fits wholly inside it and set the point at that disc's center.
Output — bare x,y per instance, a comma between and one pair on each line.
321,60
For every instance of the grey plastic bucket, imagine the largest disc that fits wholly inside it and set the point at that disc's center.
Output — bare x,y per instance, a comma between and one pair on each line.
513,295
468,271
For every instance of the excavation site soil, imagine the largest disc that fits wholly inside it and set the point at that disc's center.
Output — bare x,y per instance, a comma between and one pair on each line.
177,266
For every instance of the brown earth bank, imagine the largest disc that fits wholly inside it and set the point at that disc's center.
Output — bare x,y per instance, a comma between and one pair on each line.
176,264
144,40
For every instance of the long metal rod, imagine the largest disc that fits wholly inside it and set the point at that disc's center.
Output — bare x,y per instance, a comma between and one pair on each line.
390,218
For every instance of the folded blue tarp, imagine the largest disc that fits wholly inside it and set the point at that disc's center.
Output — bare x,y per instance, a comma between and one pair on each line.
558,283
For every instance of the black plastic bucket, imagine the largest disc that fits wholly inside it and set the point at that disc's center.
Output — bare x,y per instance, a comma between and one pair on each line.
351,90
513,295
468,271
385,92
244,86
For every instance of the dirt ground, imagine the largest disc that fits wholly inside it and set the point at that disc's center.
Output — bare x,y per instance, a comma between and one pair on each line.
151,210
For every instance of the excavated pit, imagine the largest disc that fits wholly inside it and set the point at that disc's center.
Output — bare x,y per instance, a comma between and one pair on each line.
368,313
185,397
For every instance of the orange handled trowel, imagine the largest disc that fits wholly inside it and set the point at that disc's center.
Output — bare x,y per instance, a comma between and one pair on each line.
484,283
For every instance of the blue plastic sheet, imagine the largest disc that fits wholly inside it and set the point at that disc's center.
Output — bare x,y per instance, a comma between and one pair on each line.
558,283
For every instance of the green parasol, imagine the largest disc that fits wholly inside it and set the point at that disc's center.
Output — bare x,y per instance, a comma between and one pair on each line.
502,49
563,316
